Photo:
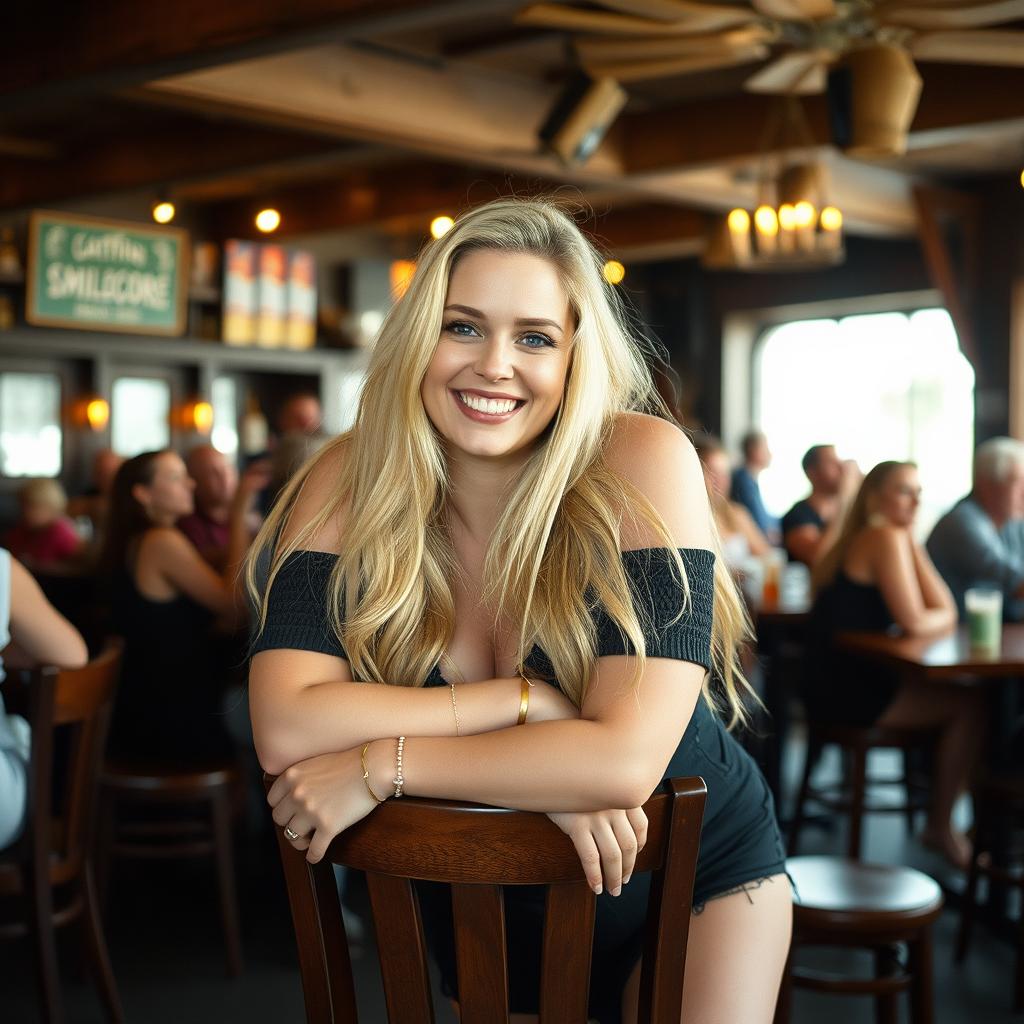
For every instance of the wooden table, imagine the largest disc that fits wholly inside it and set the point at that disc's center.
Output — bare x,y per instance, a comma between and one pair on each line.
942,658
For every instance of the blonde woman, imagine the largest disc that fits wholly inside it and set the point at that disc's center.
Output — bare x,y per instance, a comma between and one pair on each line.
877,576
503,506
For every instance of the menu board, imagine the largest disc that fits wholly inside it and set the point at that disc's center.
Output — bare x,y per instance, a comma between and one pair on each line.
106,275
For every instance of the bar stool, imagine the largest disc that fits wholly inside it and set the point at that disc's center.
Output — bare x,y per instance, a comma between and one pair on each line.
211,786
998,805
849,796
849,903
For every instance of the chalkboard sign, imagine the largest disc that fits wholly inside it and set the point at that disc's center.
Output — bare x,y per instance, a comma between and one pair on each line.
106,275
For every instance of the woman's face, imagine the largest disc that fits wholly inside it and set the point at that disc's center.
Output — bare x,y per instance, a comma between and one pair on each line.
170,493
900,496
498,374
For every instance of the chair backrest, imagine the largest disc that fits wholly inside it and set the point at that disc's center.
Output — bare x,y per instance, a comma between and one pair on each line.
78,702
477,849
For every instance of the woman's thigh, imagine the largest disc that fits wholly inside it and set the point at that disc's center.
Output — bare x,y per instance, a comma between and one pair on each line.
734,957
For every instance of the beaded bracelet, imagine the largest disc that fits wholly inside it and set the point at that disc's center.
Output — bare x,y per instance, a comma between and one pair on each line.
455,709
399,779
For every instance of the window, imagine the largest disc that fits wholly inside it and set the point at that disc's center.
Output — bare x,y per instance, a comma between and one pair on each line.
224,399
881,386
140,415
30,427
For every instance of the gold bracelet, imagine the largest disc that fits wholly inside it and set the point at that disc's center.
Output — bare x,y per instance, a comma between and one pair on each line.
366,773
455,709
524,699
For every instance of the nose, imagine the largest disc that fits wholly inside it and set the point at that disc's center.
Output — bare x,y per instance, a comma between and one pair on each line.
494,361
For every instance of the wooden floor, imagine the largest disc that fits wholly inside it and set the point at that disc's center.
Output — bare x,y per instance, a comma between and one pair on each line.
165,946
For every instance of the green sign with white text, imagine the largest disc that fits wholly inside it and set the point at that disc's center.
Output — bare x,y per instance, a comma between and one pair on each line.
106,275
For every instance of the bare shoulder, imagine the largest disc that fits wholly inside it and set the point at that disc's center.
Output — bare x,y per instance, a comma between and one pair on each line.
318,490
165,541
659,460
880,543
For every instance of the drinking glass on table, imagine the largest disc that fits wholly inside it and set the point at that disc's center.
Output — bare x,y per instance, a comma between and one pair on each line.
984,606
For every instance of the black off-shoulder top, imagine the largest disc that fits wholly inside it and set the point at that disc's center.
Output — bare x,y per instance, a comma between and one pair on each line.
298,616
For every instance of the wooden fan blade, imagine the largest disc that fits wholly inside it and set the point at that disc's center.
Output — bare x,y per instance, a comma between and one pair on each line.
698,17
639,71
795,10
576,19
981,47
800,72
992,13
596,50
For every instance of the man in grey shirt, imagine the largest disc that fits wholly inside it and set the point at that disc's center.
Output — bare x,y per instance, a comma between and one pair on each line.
981,539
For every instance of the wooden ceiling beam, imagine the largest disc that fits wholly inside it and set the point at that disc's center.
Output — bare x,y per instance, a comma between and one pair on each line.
731,128
53,52
177,152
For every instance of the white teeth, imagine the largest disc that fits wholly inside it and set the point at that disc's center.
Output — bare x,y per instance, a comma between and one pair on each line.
493,406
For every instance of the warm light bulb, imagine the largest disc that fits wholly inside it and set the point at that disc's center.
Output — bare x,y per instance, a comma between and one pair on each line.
163,212
1022,179
614,272
401,274
268,220
97,412
202,417
766,220
831,219
787,217
806,214
441,226
738,221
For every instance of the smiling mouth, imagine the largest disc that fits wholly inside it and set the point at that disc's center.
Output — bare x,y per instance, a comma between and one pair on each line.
487,410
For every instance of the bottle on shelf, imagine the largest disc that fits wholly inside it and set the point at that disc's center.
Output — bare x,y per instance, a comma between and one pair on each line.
254,432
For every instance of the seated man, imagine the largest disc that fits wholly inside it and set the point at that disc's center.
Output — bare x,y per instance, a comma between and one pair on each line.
981,539
812,525
746,491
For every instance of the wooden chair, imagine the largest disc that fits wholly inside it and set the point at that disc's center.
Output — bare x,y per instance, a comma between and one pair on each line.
998,806
478,849
850,796
211,786
849,903
50,869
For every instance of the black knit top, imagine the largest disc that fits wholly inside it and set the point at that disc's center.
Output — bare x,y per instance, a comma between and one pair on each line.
298,616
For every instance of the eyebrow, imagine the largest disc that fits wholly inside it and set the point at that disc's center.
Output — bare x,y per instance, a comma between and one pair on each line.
521,322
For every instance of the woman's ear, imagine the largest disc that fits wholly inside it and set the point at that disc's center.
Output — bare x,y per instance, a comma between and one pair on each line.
140,492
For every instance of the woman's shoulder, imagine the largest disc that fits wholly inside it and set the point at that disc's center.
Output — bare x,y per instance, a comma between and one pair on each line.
317,490
658,460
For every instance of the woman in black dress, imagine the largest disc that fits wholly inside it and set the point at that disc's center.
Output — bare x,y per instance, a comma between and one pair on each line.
878,577
164,601
505,504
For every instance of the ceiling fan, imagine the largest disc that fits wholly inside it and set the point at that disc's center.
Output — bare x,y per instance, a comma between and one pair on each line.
637,40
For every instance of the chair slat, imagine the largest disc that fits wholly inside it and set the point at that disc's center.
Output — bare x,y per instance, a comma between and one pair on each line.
670,901
565,957
320,935
403,953
479,914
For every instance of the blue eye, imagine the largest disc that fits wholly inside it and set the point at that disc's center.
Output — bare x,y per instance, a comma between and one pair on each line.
534,340
461,329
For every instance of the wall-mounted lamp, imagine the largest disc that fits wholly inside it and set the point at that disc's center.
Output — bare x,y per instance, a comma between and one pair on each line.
268,220
614,272
440,226
163,211
197,416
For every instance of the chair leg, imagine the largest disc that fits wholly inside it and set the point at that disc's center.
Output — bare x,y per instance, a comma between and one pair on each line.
887,1009
813,752
96,942
858,784
104,844
40,910
922,994
908,757
969,904
1018,980
226,877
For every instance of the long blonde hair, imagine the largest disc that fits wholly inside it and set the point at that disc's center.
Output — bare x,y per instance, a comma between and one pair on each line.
555,548
857,518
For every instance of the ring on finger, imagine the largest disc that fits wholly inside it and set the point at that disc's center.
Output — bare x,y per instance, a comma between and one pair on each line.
291,834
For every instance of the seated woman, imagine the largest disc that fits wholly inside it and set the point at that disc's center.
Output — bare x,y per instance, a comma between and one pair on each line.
164,600
43,538
740,536
32,632
876,576
506,507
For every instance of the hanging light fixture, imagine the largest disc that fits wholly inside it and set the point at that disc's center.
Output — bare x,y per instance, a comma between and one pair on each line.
793,225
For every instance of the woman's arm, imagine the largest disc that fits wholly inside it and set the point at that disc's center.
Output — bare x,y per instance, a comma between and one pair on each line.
748,527
40,635
891,554
933,587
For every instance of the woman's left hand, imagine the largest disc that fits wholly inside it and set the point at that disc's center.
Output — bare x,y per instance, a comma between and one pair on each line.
319,798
